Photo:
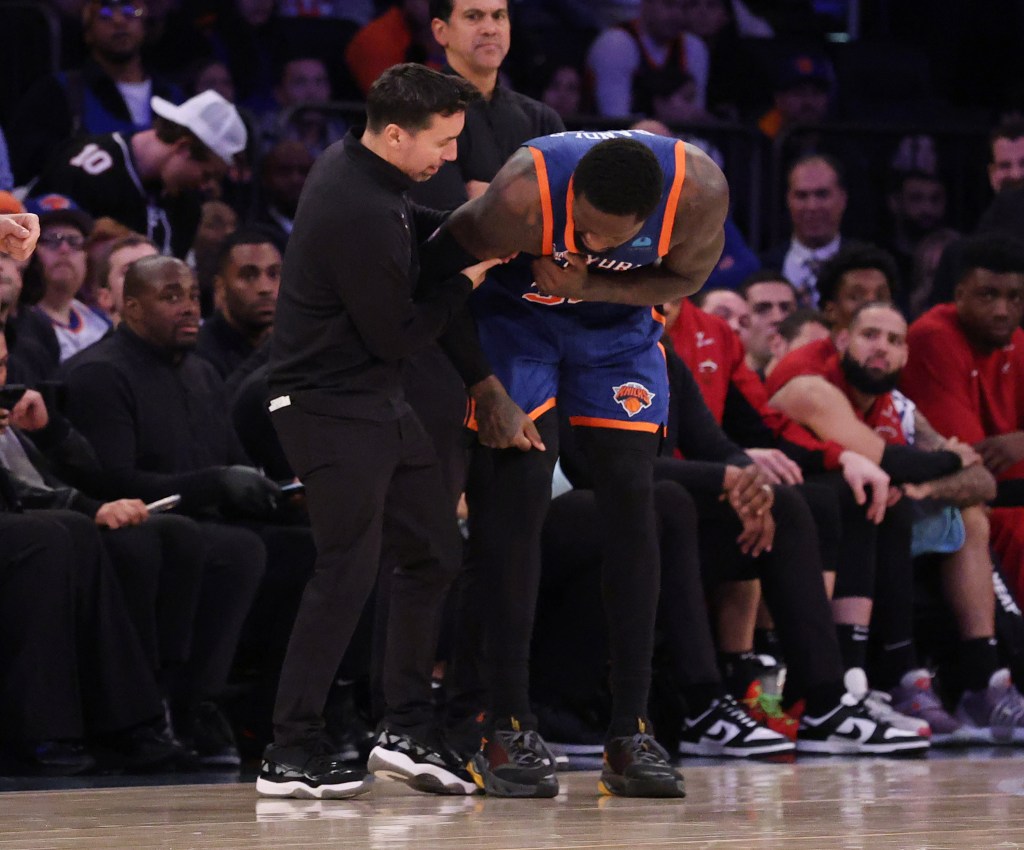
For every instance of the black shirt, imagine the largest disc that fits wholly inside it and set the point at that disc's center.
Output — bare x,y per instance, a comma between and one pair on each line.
346,315
222,344
158,426
494,129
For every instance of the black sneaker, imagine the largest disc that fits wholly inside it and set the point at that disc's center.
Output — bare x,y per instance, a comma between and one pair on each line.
514,761
637,766
725,729
848,729
432,769
47,758
205,729
143,749
308,774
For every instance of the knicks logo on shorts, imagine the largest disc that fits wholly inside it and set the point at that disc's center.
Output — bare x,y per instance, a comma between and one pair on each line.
633,397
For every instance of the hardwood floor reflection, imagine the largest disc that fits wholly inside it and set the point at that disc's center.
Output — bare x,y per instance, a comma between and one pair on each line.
853,804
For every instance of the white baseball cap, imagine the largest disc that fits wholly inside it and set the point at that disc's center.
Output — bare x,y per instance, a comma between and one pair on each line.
215,122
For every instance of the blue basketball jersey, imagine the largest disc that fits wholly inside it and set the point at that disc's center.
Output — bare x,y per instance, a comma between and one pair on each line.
602,362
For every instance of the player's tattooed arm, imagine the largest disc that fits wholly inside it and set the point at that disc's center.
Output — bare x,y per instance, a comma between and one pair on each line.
697,241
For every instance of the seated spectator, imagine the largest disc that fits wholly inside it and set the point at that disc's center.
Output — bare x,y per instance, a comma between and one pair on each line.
771,298
150,181
924,267
816,200
59,267
75,689
210,74
246,285
157,416
283,173
802,92
727,305
623,59
562,90
965,372
799,328
401,34
109,271
110,93
857,274
917,208
839,387
301,83
217,221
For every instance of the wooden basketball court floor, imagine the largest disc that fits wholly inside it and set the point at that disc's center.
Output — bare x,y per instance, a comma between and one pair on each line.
970,801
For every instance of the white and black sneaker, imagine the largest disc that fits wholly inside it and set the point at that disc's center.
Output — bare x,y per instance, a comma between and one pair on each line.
725,729
849,729
309,774
434,770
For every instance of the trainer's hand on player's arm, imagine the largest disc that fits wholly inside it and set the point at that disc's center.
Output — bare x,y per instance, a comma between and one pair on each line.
748,490
476,273
565,282
501,423
122,513
18,234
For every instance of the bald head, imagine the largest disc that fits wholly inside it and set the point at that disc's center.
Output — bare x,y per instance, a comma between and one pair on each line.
161,303
147,274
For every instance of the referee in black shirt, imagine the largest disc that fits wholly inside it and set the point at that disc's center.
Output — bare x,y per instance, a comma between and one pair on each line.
346,319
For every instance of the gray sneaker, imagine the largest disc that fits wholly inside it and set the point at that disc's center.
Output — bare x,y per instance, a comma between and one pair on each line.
996,714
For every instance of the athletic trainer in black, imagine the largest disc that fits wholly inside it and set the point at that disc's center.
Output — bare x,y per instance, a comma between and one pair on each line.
514,761
637,766
432,769
308,774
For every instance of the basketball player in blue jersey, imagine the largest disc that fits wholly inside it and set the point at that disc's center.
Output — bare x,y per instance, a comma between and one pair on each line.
607,225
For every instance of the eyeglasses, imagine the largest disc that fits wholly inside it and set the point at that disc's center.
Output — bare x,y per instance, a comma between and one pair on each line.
54,240
127,10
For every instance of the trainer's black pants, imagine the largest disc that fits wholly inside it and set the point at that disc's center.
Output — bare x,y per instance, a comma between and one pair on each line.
370,486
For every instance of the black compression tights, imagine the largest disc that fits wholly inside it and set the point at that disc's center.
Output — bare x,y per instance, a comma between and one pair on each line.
506,518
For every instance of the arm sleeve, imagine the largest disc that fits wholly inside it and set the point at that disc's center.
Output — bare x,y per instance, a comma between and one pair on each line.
907,465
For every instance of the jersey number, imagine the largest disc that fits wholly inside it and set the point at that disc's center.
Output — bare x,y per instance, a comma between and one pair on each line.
93,159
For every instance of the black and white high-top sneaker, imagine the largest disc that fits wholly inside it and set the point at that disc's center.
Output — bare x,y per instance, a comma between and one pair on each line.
725,729
425,767
308,774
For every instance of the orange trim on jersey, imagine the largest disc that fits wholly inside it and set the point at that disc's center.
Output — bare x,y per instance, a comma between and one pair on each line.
534,414
673,200
570,227
664,353
547,245
659,317
597,422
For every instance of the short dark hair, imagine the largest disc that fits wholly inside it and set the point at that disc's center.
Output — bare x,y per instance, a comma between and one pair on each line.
996,252
871,305
790,327
253,234
856,255
1009,128
898,178
827,158
410,95
764,276
441,9
701,295
620,177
